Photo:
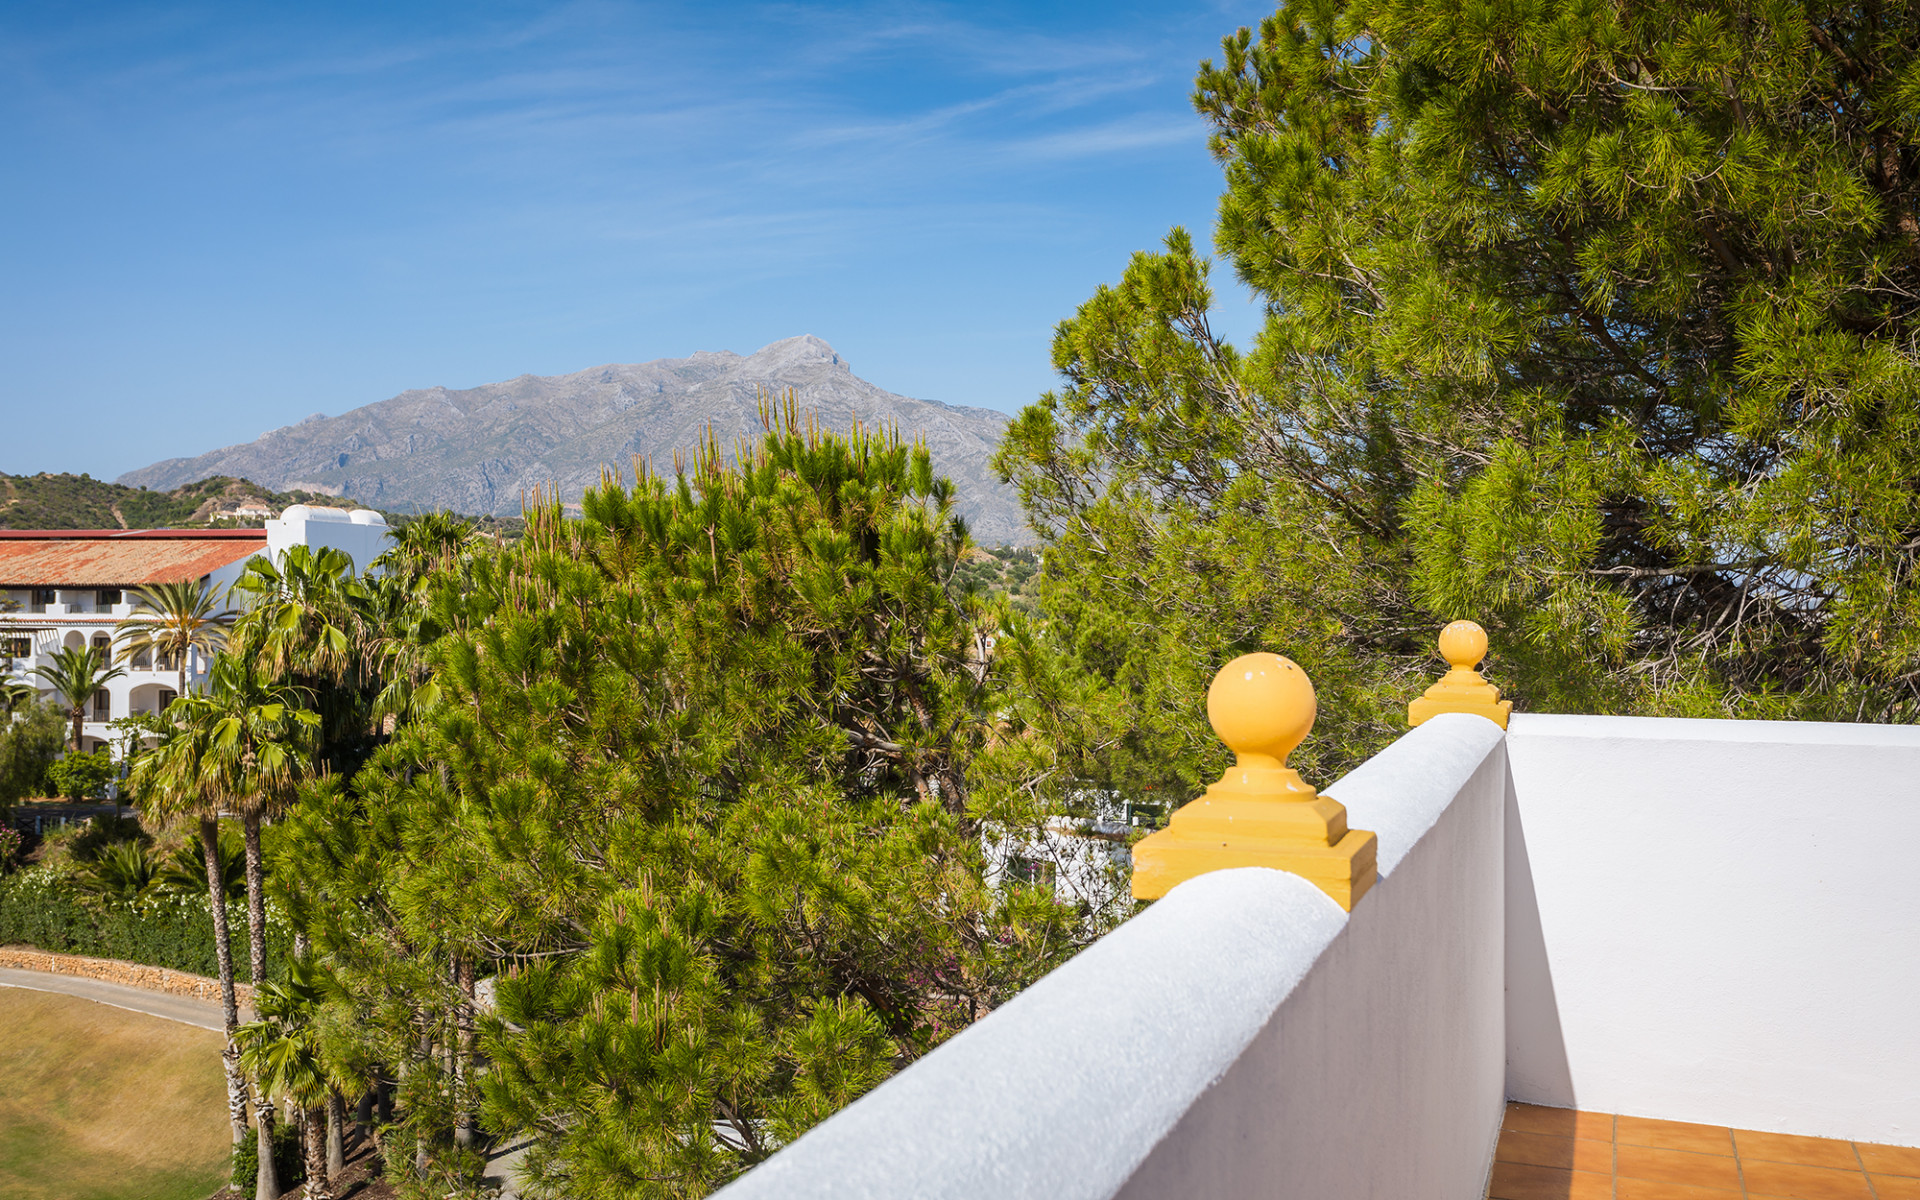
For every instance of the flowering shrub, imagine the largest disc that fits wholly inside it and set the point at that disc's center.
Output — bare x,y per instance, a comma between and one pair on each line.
12,848
42,908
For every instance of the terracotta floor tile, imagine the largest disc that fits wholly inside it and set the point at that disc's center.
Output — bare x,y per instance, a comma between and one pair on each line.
1545,1150
1771,1179
1654,1189
1673,1135
1522,1181
1791,1148
1896,1187
1560,1122
1678,1166
1889,1160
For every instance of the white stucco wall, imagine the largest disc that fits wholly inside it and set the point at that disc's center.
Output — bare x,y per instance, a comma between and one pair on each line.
1240,1038
363,534
1717,921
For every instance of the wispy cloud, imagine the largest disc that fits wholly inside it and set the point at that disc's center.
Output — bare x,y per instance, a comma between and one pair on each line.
383,193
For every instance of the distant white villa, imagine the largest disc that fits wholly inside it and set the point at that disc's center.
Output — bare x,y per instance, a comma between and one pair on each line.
72,586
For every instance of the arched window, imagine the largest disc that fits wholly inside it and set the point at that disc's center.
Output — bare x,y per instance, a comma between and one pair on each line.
103,705
102,642
143,659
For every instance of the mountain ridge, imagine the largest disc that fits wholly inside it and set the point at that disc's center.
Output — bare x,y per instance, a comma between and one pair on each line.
481,449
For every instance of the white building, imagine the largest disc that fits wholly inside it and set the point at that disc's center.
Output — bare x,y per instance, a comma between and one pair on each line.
72,587
362,533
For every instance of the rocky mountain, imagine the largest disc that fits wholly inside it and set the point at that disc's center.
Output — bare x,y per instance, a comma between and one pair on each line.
478,450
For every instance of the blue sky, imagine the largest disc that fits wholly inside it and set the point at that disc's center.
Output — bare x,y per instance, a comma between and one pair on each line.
221,218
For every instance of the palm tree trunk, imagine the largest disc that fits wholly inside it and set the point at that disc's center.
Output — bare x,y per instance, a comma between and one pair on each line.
336,1135
266,1176
266,1184
223,954
313,1141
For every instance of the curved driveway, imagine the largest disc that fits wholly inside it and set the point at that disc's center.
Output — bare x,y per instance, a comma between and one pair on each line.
183,1009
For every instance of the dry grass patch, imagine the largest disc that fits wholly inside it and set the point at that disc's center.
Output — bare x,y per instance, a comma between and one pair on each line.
99,1103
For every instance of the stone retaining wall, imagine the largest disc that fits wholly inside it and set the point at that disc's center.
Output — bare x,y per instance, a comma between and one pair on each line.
126,974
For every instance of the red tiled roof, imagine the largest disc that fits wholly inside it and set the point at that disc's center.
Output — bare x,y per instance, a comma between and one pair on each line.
119,557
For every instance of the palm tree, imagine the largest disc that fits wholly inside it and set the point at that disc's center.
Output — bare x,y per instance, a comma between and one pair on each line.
281,1047
309,624
122,871
14,693
304,615
167,782
171,619
76,673
184,872
427,542
259,744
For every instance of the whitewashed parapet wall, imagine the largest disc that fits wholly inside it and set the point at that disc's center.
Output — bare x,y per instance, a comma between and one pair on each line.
1717,922
1243,1037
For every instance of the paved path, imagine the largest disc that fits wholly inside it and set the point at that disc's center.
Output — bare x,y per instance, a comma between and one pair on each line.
184,1009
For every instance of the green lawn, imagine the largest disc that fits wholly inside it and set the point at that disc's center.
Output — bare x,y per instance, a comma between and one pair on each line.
97,1103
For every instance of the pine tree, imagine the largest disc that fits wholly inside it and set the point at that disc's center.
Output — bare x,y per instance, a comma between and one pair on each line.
1593,322
701,783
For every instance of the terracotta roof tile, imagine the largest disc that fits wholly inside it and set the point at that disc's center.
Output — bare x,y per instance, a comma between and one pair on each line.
119,558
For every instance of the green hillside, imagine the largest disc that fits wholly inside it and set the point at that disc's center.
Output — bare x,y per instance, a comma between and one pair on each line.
62,501
49,501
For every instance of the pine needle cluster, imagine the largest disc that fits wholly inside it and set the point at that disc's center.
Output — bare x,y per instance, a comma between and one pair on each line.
1594,322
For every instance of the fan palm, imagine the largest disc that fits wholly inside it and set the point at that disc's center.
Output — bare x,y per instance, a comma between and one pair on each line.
15,693
166,780
426,542
171,619
259,744
281,1048
404,613
76,673
304,615
309,623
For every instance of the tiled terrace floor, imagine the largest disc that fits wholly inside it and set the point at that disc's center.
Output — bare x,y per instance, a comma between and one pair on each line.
1559,1154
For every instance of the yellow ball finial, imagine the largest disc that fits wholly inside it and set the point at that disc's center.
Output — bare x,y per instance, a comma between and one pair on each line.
1262,706
1260,813
1463,644
1462,689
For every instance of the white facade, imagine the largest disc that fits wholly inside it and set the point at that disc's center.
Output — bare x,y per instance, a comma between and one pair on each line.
49,617
361,533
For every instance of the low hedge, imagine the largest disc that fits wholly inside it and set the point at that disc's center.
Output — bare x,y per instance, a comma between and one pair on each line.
40,908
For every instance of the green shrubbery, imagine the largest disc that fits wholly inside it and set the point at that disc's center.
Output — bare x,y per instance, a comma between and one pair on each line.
29,740
287,1161
44,908
82,776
